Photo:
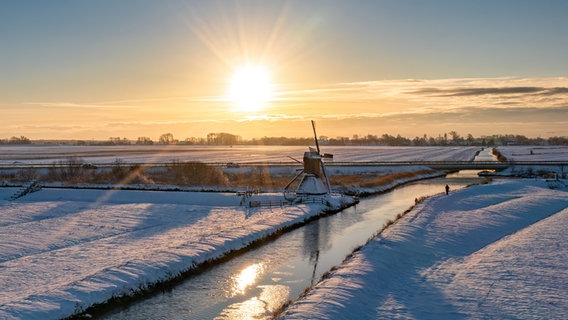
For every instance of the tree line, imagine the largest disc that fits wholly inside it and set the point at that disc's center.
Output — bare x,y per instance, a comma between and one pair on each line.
451,138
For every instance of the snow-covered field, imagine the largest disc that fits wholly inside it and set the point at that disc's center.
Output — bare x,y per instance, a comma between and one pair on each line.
491,251
494,251
14,155
62,250
535,153
37,154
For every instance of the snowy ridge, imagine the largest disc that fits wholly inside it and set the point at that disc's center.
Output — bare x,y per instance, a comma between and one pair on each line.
63,250
490,251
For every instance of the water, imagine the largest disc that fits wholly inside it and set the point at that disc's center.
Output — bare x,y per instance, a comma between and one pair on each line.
485,155
255,284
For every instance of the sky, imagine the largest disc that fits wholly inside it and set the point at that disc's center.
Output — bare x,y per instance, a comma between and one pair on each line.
99,69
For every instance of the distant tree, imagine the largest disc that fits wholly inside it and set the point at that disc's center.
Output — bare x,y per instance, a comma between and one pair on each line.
558,141
394,141
223,138
117,141
456,138
144,140
539,141
167,138
343,140
420,141
520,139
193,141
19,140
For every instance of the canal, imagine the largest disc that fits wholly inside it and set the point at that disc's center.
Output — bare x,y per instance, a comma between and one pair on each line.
256,283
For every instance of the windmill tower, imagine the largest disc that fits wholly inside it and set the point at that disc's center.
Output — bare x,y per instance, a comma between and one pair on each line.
313,174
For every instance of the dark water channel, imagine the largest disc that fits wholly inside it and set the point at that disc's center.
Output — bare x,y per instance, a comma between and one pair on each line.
253,285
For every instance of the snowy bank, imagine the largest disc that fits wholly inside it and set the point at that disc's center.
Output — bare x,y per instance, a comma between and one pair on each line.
63,250
489,251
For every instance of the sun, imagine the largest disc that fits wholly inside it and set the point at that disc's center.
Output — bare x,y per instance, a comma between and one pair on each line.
250,88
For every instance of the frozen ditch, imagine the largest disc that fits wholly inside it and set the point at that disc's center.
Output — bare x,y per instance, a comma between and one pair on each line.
255,284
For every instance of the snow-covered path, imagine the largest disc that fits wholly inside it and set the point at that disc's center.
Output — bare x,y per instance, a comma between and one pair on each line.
495,251
64,250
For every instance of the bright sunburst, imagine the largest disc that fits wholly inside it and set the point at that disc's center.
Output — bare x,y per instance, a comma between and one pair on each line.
251,88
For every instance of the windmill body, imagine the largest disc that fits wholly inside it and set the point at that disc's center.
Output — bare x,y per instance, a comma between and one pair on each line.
312,183
313,174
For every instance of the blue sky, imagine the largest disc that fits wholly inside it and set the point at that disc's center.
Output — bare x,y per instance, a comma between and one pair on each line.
96,69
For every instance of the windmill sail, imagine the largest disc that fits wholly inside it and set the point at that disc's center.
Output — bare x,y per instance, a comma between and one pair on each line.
328,184
316,136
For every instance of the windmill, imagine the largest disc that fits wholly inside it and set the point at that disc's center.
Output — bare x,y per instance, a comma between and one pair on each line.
313,172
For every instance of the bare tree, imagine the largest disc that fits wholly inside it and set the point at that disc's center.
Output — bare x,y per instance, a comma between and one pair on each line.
167,138
144,140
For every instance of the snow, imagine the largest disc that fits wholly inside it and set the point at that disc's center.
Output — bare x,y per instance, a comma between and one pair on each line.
491,251
557,154
534,153
62,250
34,154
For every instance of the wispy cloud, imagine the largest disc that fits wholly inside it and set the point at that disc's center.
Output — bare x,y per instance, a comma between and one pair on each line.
477,105
58,127
479,91
465,114
117,104
72,105
530,106
414,95
457,92
441,87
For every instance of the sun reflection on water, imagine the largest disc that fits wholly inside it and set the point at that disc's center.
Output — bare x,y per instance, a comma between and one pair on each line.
258,302
246,278
260,306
